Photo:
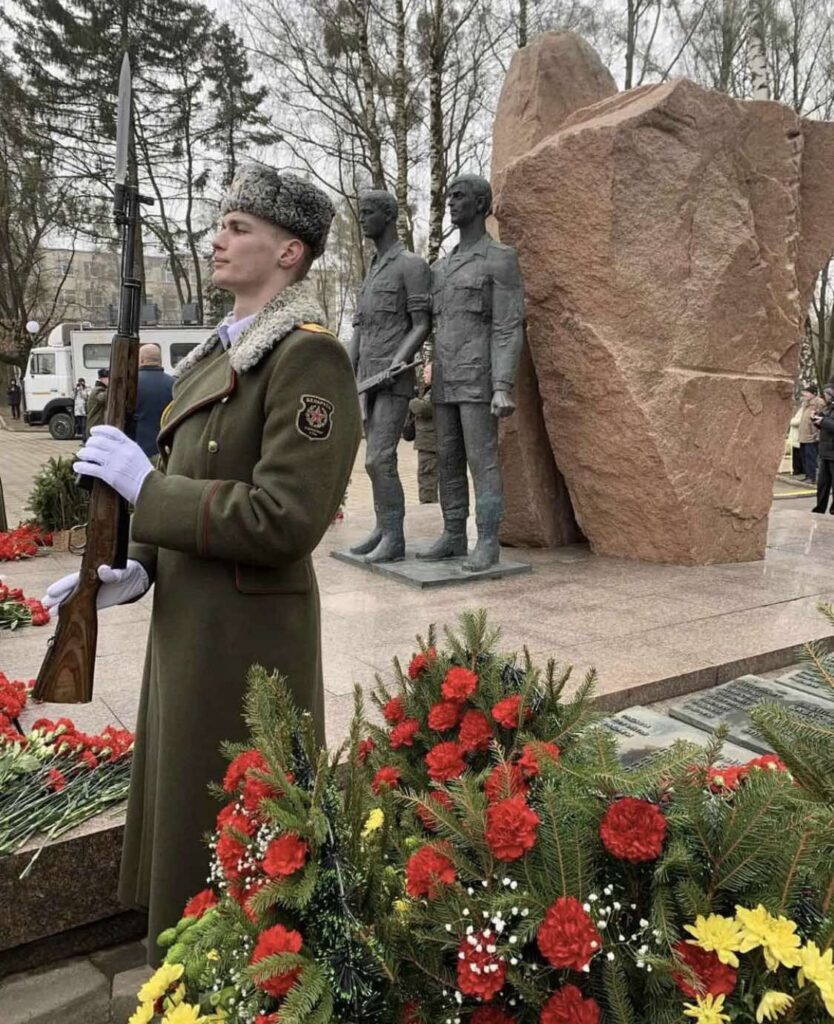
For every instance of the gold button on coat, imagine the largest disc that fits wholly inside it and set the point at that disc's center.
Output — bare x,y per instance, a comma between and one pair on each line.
213,446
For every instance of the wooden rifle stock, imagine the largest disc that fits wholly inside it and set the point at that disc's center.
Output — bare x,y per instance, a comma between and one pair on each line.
66,675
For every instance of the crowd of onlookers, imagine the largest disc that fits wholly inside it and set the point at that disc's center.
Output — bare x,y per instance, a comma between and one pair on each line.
812,442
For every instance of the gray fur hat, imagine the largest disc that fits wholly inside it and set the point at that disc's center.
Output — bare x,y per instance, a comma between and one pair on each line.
290,202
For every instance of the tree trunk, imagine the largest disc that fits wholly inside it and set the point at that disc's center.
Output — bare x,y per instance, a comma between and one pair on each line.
437,159
369,98
401,129
756,52
522,23
631,41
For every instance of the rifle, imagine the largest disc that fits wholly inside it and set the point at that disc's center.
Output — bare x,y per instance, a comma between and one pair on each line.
66,675
381,379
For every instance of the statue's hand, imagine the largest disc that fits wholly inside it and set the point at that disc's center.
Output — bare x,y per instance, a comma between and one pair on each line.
502,404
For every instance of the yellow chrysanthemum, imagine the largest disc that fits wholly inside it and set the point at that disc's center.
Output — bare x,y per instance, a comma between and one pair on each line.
772,1005
818,968
402,907
717,934
213,955
156,986
142,1015
776,936
185,1013
707,1010
375,821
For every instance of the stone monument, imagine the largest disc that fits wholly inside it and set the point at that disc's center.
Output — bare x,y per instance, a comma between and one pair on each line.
391,323
478,309
669,237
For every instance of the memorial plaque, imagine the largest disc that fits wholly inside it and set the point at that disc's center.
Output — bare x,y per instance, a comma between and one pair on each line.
643,733
806,680
732,703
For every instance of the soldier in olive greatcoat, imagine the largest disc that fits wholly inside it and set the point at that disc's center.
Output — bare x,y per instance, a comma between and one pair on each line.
256,449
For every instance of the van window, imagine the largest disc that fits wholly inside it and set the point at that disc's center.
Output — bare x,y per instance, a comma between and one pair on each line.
42,363
180,349
96,356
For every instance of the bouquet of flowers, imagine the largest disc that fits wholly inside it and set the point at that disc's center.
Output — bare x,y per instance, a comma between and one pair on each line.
18,610
298,877
55,776
23,542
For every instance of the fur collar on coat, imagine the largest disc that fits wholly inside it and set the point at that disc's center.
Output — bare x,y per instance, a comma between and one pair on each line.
295,305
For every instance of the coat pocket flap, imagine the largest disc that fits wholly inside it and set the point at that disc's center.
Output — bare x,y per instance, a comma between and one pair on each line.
296,578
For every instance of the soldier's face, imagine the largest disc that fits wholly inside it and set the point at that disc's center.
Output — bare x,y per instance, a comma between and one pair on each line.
372,219
463,204
248,251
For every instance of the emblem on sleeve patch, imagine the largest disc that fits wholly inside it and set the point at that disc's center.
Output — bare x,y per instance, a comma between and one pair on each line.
315,418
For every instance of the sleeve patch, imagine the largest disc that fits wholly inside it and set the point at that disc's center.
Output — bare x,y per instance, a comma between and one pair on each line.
315,418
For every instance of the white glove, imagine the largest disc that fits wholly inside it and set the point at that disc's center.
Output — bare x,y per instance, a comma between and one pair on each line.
111,456
119,586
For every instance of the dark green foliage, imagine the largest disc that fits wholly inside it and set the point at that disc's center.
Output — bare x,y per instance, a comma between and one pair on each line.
56,501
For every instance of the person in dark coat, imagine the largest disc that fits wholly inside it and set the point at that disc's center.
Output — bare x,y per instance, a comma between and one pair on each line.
97,402
153,395
256,448
13,395
425,440
825,463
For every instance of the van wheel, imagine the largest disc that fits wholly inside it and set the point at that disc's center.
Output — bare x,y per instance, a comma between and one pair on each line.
62,426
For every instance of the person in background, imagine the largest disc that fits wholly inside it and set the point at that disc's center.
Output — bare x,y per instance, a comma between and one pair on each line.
425,440
13,395
153,395
808,433
79,407
97,402
825,473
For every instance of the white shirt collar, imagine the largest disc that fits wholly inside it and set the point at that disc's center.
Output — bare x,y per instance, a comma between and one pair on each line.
229,330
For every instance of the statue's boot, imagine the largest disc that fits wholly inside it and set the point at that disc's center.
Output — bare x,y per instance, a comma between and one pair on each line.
450,544
391,547
371,541
485,554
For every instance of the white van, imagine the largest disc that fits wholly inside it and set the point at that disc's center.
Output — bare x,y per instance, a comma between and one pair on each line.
73,351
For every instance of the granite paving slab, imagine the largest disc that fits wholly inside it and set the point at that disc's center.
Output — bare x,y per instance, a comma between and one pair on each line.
732,702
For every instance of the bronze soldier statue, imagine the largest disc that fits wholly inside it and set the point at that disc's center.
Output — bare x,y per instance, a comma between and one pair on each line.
478,309
391,323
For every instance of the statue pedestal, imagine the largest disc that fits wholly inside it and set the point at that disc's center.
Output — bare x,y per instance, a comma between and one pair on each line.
417,573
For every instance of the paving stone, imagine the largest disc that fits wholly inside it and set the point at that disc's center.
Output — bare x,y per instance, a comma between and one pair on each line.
732,703
643,733
74,993
120,958
123,1000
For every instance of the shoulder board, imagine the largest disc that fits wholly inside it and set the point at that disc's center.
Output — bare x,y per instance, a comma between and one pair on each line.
166,412
316,329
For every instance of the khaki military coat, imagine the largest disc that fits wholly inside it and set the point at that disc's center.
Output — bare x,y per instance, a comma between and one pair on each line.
256,450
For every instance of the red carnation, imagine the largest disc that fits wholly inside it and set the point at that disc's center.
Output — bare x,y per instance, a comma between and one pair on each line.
420,662
242,893
56,781
511,828
429,820
277,940
475,732
567,937
256,790
445,761
567,1006
459,683
426,871
230,852
387,776
199,904
504,780
402,735
238,769
364,749
491,1015
529,760
716,979
506,712
481,971
724,780
633,830
444,715
768,761
394,711
231,817
285,855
